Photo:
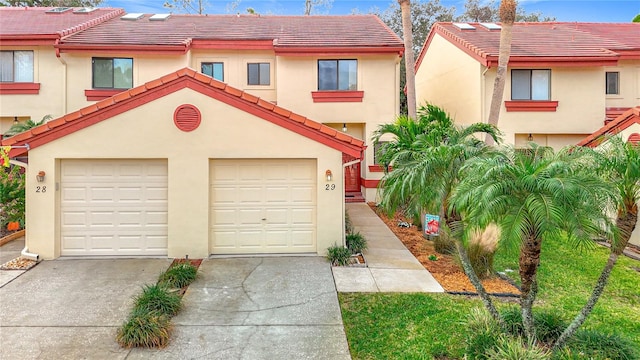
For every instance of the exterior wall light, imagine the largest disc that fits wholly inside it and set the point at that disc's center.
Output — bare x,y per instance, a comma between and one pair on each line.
344,127
530,137
329,175
40,176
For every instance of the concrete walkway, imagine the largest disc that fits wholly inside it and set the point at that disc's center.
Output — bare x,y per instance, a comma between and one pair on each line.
391,267
8,252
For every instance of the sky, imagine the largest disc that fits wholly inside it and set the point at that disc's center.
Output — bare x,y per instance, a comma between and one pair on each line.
562,10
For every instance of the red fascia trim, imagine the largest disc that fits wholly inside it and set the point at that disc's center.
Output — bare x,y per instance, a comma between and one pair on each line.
337,96
19,88
29,40
531,105
328,50
165,89
232,44
119,49
567,61
378,168
628,54
370,184
101,94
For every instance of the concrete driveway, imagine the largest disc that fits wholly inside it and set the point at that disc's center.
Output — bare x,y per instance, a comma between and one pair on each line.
239,308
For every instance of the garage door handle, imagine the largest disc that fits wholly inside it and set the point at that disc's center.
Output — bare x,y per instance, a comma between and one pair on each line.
264,219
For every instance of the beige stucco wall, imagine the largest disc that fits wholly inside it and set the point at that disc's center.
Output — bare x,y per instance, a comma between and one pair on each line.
450,79
148,132
378,77
49,72
629,84
235,69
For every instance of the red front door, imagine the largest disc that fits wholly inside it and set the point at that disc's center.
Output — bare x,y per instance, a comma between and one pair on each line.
352,178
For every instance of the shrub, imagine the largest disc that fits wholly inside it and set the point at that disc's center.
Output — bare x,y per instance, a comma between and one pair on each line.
481,250
549,326
356,243
178,275
514,348
348,225
145,329
157,298
338,255
483,334
588,344
12,196
443,243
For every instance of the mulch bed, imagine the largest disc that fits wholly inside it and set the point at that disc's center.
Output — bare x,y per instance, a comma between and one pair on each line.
445,269
194,262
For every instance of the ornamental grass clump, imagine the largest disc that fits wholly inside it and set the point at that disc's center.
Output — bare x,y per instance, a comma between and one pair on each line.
179,275
482,248
157,298
338,255
145,329
356,243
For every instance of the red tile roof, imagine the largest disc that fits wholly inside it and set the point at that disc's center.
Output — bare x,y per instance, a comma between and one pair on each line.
352,33
172,82
552,43
23,24
628,118
611,113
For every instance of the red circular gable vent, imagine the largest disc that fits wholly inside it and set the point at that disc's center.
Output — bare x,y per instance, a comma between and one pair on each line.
634,139
187,117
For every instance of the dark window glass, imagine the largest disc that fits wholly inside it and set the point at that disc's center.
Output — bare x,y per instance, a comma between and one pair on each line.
16,66
112,73
337,74
613,83
530,84
213,69
258,73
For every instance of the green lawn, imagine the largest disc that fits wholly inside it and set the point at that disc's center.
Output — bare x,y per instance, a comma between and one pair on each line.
426,326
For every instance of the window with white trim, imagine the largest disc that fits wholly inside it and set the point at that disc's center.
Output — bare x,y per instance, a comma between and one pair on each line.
16,66
530,84
338,75
213,69
612,82
112,73
258,73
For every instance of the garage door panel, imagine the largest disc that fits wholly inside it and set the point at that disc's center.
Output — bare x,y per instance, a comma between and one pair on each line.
282,192
113,207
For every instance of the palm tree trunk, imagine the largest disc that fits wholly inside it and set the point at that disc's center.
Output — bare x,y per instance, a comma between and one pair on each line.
409,61
507,17
529,262
626,224
475,281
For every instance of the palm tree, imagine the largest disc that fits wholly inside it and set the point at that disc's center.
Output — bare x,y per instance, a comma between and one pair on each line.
620,164
507,17
534,196
409,61
427,156
22,127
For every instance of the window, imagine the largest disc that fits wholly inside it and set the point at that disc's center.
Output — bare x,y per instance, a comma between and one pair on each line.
16,66
378,151
213,69
530,84
337,74
613,83
258,73
112,73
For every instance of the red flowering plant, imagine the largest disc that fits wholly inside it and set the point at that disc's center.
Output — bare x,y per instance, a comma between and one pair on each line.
12,197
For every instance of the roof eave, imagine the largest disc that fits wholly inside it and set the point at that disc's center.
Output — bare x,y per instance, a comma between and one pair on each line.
29,39
337,50
555,61
129,48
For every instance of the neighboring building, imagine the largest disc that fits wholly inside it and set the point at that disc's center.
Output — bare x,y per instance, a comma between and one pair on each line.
128,124
627,126
564,80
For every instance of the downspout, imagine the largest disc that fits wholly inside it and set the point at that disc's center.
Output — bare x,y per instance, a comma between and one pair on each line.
64,76
483,92
25,252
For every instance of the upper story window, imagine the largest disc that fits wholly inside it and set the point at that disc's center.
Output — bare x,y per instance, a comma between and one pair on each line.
530,84
337,74
259,73
612,82
16,66
213,69
112,73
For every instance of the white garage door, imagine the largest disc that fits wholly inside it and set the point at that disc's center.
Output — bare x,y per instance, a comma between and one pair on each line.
262,206
113,207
